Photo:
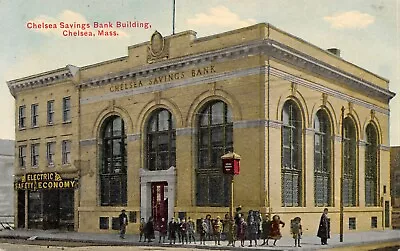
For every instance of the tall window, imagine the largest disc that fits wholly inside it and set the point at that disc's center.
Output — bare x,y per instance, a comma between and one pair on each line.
291,155
34,155
22,156
34,114
50,112
349,169
322,159
113,188
161,141
50,153
215,131
66,109
66,152
371,166
22,117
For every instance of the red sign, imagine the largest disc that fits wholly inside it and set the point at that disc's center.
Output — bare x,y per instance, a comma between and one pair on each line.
231,166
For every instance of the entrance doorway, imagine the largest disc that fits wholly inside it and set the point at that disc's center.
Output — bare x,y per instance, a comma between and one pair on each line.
159,202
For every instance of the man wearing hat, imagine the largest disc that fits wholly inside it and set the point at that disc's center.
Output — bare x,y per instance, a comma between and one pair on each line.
123,222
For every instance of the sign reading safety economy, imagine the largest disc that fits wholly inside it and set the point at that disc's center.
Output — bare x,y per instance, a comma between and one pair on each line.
39,181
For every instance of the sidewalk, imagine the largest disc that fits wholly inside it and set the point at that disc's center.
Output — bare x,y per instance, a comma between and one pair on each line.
286,243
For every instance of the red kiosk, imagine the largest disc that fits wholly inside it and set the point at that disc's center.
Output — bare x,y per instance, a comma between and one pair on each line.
231,166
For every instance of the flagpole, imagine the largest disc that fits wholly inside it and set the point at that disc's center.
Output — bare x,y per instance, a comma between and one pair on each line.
173,18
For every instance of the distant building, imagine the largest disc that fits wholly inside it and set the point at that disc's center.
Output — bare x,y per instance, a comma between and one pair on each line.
395,184
145,133
6,180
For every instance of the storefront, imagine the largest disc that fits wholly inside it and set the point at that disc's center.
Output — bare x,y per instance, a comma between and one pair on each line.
50,201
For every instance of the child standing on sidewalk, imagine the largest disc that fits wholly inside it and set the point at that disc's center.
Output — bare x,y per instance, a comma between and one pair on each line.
141,229
296,229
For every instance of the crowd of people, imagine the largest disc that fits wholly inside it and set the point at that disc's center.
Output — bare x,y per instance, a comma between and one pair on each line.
254,228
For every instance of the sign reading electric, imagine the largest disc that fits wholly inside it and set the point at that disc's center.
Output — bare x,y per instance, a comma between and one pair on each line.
39,181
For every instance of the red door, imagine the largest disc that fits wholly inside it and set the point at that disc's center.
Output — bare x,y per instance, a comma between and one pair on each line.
159,202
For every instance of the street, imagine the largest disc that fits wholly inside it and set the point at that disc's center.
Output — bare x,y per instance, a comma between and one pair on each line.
24,245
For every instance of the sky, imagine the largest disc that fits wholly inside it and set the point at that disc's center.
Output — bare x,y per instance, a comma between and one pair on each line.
366,31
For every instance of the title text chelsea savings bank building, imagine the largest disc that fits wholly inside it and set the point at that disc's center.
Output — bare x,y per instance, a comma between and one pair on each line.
146,132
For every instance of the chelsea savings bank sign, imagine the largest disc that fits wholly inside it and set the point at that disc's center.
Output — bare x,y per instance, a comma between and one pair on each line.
44,181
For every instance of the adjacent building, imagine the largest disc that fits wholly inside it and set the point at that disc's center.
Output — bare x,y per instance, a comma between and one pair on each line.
145,133
395,184
6,180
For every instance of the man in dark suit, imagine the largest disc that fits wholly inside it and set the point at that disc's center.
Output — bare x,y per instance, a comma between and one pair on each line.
123,222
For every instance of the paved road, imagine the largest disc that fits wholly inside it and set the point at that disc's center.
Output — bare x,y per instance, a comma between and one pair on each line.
58,246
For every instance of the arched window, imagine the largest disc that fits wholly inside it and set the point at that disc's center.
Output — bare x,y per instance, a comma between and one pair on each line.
322,159
215,131
161,139
113,163
291,155
371,166
349,169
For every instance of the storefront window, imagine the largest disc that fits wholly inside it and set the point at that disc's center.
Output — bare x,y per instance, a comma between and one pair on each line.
215,130
113,163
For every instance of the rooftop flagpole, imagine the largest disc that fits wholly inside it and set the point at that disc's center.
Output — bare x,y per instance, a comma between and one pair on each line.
173,18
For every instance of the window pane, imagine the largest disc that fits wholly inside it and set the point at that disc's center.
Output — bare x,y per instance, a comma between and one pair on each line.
216,189
163,120
117,126
217,116
229,116
204,118
202,190
217,136
203,158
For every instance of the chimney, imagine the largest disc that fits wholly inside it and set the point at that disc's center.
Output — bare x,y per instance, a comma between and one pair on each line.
334,51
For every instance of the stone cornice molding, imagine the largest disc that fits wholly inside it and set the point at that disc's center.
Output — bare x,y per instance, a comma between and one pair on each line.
266,47
42,79
311,64
320,88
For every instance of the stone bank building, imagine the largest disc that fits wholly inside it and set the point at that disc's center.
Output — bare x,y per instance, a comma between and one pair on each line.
145,133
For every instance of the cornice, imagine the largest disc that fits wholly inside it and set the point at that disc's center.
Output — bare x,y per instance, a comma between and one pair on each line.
42,79
267,47
176,64
304,61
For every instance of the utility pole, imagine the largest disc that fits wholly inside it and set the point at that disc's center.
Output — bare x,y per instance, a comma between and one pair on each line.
341,179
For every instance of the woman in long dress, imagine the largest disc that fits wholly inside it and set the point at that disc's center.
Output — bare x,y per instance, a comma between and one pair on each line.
275,228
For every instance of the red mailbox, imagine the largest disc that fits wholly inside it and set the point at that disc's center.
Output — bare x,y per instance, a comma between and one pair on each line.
231,163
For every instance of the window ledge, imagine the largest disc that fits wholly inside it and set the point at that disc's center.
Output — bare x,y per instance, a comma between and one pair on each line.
22,128
67,122
50,124
33,127
66,165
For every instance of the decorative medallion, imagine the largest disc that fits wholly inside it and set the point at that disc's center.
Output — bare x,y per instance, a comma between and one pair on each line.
158,48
